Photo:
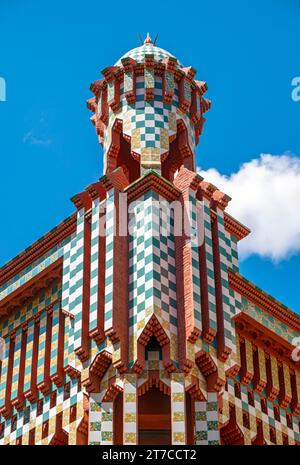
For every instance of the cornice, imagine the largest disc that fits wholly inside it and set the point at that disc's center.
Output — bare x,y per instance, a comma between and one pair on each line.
28,290
38,249
266,339
152,181
263,300
235,228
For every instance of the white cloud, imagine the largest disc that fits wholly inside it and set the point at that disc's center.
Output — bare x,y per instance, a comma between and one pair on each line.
31,139
265,197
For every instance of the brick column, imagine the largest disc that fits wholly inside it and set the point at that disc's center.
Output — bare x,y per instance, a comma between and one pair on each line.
187,267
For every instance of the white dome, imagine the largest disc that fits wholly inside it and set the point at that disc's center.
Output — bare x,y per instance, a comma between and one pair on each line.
139,53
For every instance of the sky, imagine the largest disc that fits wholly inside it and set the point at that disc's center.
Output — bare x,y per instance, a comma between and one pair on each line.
247,52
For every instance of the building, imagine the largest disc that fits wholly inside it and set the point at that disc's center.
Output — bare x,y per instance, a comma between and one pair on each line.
129,322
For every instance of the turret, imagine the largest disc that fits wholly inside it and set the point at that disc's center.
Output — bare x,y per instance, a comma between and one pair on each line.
148,112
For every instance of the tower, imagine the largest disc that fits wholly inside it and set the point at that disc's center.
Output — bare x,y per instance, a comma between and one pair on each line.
129,322
148,106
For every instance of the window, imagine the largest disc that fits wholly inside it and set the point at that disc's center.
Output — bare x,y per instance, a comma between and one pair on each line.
246,420
13,425
31,437
52,399
39,407
289,421
276,413
73,413
26,416
237,390
251,398
263,403
67,391
45,429
273,435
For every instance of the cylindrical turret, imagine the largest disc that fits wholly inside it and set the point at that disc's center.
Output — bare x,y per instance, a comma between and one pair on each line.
150,107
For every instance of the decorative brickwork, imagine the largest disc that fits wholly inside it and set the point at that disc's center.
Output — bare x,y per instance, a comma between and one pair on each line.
129,322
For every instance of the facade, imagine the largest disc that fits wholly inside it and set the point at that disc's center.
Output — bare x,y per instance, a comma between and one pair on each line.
129,323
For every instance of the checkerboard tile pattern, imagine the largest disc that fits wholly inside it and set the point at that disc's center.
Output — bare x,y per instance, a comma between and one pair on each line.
152,274
139,53
31,418
194,234
178,408
209,265
267,320
95,231
149,124
54,339
228,324
109,258
33,270
68,283
231,243
255,412
76,291
42,347
4,370
130,409
28,355
157,110
207,421
16,363
100,421
27,311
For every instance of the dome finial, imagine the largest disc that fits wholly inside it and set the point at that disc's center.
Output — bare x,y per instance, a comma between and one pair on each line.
148,39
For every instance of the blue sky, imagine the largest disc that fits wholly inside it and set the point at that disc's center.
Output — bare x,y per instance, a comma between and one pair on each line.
248,52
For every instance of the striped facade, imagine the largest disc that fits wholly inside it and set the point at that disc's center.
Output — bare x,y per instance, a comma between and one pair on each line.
129,323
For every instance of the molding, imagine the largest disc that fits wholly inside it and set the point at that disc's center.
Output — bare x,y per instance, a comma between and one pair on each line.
235,228
263,300
267,340
152,181
38,249
28,290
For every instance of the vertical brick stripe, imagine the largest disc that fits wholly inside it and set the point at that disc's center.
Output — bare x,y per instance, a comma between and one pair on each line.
18,396
208,299
95,259
222,350
109,260
272,378
32,350
16,364
120,285
81,290
260,375
228,325
5,386
43,372
57,346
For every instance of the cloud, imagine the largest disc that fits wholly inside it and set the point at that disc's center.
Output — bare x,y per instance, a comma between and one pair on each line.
265,197
31,139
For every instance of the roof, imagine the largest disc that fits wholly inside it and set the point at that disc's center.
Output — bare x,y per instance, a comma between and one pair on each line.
263,300
148,48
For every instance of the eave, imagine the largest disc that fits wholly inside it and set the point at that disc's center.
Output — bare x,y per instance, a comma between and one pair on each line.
38,249
263,300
